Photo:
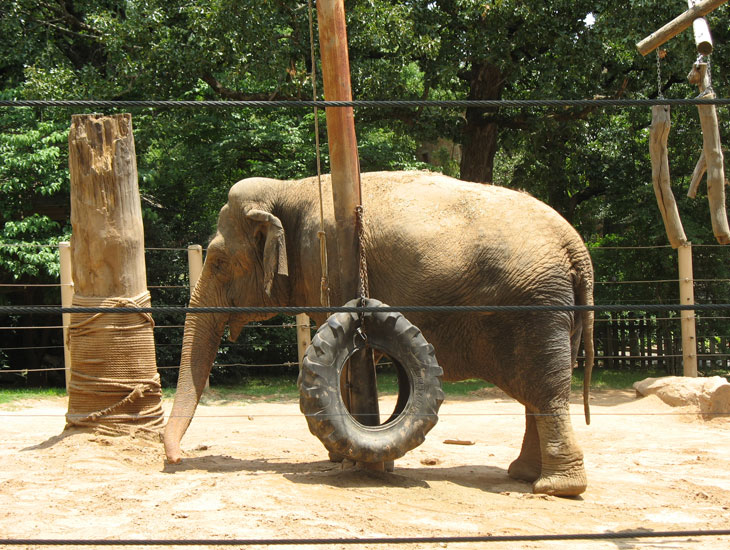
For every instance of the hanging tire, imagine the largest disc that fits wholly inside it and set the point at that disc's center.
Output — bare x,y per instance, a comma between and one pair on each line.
419,380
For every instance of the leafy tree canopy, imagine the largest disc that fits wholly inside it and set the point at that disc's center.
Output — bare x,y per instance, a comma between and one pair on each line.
591,164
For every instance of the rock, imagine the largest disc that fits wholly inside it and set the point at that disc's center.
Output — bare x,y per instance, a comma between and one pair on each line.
720,401
710,395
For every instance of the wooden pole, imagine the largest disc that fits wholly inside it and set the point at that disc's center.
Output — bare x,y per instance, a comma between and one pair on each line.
67,295
703,38
195,268
342,141
658,135
195,264
345,169
677,25
712,151
114,381
687,297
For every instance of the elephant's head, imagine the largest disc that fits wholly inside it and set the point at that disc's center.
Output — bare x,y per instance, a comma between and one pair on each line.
243,267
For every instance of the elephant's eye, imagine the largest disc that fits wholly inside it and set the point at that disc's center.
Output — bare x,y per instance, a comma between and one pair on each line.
218,264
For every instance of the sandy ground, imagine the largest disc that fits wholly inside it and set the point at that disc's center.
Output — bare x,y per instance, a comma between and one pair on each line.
254,471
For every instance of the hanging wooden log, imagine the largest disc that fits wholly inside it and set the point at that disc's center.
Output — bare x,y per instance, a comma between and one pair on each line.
677,25
658,135
712,150
703,38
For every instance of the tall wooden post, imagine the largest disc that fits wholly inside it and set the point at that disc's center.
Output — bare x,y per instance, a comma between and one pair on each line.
345,169
687,297
114,382
195,269
67,295
341,138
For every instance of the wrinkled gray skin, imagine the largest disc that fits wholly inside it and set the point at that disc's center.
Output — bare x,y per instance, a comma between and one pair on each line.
430,240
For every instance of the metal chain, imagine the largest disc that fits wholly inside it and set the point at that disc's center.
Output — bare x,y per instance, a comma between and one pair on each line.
660,95
364,286
708,76
709,89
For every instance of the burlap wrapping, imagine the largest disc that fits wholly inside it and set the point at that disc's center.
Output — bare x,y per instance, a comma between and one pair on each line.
114,385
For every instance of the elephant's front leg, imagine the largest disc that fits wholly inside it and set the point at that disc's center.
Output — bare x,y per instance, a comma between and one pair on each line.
562,471
528,465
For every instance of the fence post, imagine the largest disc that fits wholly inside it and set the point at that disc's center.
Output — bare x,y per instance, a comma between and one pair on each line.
687,297
304,335
195,264
195,268
67,296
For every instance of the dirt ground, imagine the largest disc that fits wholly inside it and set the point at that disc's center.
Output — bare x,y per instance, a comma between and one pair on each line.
253,471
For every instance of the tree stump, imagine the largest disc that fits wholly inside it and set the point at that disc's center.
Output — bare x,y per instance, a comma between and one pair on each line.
114,383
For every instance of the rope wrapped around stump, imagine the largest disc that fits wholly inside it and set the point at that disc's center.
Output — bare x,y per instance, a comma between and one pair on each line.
114,386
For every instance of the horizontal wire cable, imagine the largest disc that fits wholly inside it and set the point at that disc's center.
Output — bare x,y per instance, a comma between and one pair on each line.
24,285
185,249
370,540
647,281
250,416
289,364
291,310
160,327
308,104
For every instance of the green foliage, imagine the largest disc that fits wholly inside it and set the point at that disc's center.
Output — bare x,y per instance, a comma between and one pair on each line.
592,165
31,174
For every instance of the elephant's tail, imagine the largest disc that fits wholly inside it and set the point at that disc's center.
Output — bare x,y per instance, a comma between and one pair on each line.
589,357
584,296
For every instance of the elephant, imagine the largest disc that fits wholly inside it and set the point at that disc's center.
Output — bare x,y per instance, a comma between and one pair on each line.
429,240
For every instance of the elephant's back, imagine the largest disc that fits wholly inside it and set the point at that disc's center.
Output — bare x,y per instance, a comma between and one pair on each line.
482,239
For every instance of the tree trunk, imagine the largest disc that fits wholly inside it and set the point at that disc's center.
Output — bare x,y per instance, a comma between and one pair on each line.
480,135
114,383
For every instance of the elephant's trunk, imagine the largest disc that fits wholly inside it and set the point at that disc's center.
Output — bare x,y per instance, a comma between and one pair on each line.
202,337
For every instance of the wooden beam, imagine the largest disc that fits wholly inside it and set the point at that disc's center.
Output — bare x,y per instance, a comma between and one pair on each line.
677,25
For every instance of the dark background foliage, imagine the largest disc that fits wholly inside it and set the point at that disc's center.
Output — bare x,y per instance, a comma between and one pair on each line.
592,165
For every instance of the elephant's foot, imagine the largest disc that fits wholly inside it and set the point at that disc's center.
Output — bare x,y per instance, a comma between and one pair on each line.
566,483
562,460
524,470
528,465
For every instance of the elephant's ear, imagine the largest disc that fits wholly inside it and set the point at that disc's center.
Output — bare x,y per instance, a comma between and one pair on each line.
274,246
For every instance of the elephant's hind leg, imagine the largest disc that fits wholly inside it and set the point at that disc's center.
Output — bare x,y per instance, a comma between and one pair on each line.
528,465
562,471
